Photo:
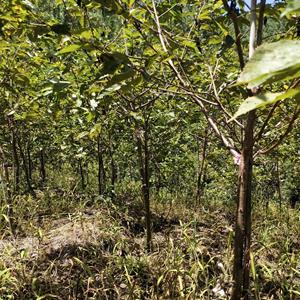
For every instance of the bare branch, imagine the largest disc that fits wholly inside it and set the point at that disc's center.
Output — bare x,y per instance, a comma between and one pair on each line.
270,114
237,32
252,35
282,136
218,98
214,126
228,144
261,22
163,44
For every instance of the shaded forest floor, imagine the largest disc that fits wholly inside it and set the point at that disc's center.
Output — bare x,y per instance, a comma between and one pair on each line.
98,252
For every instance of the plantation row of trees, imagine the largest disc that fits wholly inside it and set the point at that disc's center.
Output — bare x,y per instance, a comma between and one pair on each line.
126,95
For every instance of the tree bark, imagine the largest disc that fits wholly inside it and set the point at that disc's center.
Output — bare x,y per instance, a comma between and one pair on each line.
87,177
81,173
242,242
113,171
101,172
16,160
202,157
241,269
26,169
42,166
143,152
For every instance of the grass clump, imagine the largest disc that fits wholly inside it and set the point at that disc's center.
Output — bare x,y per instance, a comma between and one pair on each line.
98,252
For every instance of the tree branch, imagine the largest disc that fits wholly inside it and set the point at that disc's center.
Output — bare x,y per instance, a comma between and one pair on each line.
261,22
270,114
237,32
282,136
218,99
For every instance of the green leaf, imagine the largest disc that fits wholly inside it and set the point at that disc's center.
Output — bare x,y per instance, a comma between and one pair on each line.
112,61
108,91
70,48
190,44
4,45
82,135
272,62
95,131
293,7
223,29
259,101
122,76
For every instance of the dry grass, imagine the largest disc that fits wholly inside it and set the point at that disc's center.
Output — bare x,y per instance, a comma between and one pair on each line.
99,254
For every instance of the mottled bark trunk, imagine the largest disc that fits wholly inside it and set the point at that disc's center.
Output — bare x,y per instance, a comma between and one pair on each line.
241,268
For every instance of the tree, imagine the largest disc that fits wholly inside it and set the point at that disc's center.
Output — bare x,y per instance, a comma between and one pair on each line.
88,69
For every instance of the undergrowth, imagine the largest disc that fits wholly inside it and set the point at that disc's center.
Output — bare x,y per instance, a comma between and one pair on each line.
71,247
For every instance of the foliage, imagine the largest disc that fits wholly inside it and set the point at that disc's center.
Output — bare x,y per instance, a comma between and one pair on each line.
94,94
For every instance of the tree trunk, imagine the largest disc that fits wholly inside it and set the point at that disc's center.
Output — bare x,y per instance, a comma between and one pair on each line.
202,157
42,166
26,169
146,187
81,173
87,177
16,161
101,171
113,174
143,152
241,266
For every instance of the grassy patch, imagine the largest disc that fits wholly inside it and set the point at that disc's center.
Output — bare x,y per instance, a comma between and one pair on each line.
97,252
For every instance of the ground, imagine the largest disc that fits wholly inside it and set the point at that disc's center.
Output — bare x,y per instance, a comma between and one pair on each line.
99,253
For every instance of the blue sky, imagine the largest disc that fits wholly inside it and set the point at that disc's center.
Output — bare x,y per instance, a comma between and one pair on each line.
268,1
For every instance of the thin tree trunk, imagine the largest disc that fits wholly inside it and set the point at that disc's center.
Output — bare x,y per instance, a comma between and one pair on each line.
202,157
86,168
42,166
113,174
146,187
101,172
81,173
143,152
16,161
26,170
242,243
242,240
